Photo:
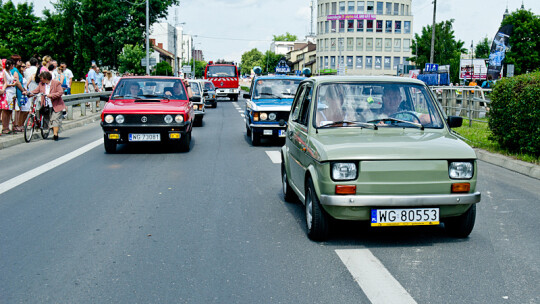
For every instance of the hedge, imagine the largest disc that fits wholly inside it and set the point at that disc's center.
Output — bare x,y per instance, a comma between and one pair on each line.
514,117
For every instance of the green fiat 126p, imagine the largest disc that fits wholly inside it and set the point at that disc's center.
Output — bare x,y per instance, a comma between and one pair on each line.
377,149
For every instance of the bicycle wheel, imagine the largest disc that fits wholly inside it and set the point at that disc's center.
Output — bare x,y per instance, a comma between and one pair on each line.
44,133
29,127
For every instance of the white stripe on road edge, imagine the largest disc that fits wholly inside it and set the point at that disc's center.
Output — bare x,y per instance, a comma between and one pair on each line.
14,182
374,279
275,156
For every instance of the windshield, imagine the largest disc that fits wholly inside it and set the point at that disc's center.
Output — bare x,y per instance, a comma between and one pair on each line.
209,86
140,88
275,88
380,104
194,87
221,71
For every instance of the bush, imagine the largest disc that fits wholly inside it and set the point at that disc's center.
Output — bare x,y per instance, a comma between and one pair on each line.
163,68
514,118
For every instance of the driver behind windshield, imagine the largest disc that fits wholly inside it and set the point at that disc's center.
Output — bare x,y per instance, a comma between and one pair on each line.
133,89
177,91
393,104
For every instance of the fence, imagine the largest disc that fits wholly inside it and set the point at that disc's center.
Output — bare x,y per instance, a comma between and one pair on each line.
471,103
81,99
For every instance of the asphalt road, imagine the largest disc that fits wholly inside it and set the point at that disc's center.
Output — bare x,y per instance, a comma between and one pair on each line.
151,225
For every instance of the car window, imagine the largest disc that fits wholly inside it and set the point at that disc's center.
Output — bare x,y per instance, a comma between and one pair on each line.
304,110
195,87
275,88
209,86
141,88
382,103
221,71
295,109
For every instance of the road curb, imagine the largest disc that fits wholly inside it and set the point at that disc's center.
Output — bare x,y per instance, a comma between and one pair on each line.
67,125
509,163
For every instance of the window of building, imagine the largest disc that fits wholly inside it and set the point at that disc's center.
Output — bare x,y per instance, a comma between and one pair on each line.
359,62
326,27
350,44
378,62
396,9
370,8
350,25
406,45
350,62
326,44
327,8
396,62
321,63
369,44
405,61
387,63
388,28
342,7
359,44
389,8
326,62
402,9
406,27
380,8
341,61
332,44
397,45
340,44
332,62
350,6
369,25
378,44
387,44
369,62
379,26
334,8
341,26
398,27
407,10
333,26
360,7
360,25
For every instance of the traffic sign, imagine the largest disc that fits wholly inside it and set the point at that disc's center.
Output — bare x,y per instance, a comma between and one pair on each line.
186,69
432,67
152,61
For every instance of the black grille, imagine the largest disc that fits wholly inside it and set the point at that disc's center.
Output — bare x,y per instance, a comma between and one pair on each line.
150,118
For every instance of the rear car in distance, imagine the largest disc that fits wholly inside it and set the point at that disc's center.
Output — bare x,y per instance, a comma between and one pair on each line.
147,109
198,101
209,92
377,149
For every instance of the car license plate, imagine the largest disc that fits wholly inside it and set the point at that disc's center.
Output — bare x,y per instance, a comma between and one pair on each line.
282,133
145,137
267,132
404,217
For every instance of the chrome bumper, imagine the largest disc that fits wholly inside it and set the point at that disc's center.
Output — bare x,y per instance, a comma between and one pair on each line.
400,200
268,126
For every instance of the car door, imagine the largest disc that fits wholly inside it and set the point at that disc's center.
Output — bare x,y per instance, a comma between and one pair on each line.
297,137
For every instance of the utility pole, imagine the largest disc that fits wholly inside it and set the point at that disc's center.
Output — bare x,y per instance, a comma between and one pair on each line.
147,38
432,54
175,45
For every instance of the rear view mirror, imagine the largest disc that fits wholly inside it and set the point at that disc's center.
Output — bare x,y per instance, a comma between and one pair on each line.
247,96
195,99
104,98
455,121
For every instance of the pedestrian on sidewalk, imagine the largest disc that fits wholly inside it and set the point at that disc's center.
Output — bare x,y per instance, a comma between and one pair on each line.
19,89
108,81
3,86
11,95
68,74
24,104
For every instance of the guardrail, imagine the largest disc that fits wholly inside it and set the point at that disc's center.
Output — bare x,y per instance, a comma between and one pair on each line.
471,101
81,99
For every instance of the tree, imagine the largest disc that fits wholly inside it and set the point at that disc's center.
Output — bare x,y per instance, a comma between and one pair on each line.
447,49
483,48
130,59
163,68
524,41
270,61
287,37
250,60
18,24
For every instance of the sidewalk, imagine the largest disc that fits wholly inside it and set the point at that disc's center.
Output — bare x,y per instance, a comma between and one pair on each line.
77,121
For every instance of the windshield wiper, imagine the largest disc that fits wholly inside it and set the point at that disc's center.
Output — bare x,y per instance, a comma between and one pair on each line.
360,123
390,119
270,94
126,97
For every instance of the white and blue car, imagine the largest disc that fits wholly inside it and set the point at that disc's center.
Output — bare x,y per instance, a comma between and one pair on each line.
268,105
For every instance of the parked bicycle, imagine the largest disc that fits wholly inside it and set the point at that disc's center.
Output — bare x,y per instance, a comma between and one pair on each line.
34,121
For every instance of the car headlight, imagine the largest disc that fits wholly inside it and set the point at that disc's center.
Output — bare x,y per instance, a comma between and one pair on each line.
195,107
460,170
109,118
120,119
344,171
263,116
272,116
179,118
168,118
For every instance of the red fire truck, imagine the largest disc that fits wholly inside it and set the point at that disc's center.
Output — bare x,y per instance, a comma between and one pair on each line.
225,77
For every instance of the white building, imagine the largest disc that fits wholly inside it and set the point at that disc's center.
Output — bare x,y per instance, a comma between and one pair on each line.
166,42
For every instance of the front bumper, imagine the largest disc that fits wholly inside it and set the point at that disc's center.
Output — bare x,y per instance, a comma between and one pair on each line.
400,200
227,92
164,130
269,129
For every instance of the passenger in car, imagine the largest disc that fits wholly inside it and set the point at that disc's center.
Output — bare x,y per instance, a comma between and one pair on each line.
329,107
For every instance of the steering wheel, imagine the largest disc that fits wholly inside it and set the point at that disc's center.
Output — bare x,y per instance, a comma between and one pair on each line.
410,113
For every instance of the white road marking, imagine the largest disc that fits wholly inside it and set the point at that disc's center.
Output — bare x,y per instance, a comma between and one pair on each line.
242,115
374,279
275,156
16,181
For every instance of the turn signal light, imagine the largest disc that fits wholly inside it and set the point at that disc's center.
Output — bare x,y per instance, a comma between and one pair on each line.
174,135
461,188
114,136
255,116
345,189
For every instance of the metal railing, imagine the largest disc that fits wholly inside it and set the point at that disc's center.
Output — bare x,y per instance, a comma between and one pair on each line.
471,103
81,100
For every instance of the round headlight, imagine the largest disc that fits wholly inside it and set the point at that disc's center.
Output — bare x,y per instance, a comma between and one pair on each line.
272,116
168,119
120,119
109,118
195,107
264,116
179,118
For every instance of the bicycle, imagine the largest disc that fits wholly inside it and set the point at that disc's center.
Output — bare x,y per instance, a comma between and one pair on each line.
34,121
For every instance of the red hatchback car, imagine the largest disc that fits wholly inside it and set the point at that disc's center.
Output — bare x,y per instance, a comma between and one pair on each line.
148,109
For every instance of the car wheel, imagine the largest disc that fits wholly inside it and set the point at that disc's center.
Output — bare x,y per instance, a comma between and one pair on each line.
185,142
198,122
316,218
248,131
255,138
110,145
215,104
288,192
461,226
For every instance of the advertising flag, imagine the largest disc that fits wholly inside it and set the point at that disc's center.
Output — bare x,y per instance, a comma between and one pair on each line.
498,49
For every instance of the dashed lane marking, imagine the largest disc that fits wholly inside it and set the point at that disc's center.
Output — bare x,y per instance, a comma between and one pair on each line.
275,156
374,279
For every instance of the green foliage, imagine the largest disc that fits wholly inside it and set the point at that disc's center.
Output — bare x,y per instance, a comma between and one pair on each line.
287,37
163,69
270,61
514,118
483,48
5,53
18,24
447,49
130,59
524,41
251,59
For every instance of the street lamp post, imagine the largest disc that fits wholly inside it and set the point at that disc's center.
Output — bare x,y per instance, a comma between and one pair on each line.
147,38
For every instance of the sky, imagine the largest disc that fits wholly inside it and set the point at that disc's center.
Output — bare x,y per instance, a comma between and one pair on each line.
226,29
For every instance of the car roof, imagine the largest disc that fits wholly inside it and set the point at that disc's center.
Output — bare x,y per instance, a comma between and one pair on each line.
152,77
280,77
387,79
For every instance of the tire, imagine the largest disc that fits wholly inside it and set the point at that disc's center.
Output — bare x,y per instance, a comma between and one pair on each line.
44,134
215,104
317,221
255,138
29,125
185,142
248,131
461,226
198,121
110,145
288,192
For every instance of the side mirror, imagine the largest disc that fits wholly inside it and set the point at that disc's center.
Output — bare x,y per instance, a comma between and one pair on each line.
205,94
455,121
195,99
247,96
104,98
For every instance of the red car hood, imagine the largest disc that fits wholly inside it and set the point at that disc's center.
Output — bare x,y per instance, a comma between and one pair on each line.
132,107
